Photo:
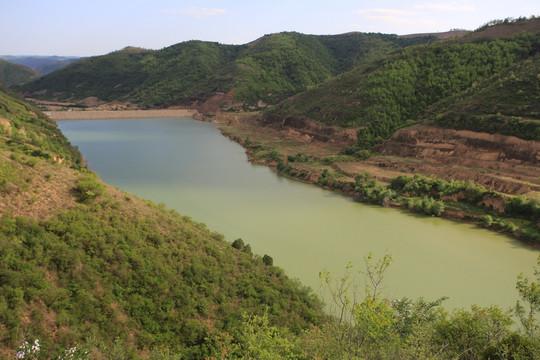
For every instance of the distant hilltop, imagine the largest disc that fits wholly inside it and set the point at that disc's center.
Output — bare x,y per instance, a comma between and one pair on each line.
42,64
440,35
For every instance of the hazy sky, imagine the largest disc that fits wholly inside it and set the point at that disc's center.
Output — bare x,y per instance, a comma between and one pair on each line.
96,27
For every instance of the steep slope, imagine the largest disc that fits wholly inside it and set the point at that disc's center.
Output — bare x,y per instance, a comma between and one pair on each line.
14,74
507,104
84,264
269,69
393,92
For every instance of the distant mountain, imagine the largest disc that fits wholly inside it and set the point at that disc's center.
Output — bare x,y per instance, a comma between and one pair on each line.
43,64
268,69
14,74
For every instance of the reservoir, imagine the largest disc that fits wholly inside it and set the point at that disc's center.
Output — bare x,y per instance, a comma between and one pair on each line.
190,167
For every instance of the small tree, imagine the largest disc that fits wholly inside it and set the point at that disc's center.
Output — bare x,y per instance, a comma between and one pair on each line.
267,260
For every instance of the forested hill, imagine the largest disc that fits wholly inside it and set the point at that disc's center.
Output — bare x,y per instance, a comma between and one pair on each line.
14,74
395,90
268,69
84,265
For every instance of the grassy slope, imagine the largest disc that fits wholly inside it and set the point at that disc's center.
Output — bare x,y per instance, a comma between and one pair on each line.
84,264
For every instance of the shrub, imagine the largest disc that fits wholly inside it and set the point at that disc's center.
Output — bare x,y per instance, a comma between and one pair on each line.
89,187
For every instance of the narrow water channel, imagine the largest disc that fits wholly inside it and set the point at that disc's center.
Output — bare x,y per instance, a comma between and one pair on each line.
191,167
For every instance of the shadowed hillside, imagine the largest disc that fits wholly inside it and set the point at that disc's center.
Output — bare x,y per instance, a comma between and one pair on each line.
14,74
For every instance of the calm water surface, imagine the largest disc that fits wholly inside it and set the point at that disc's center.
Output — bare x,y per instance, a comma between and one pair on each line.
191,167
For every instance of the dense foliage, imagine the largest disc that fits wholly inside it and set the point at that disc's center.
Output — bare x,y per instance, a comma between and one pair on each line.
507,104
109,77
148,281
395,91
268,69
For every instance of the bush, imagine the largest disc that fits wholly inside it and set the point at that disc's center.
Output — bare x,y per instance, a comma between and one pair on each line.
89,187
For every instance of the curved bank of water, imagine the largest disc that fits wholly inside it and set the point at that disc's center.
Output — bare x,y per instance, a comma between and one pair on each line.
190,166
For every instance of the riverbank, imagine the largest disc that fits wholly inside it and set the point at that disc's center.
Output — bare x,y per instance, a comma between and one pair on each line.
318,159
304,157
121,114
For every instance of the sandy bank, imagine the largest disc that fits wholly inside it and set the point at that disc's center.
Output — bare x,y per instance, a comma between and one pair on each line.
123,114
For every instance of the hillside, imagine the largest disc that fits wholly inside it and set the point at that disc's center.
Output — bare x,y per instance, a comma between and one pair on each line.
394,91
268,69
14,74
86,268
84,264
43,64
508,104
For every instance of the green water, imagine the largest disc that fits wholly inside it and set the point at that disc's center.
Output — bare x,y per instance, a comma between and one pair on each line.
191,167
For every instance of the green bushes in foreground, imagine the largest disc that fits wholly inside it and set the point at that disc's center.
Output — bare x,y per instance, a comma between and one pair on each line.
368,325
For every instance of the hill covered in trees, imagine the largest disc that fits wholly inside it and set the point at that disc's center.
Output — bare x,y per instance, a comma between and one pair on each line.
268,69
14,74
395,90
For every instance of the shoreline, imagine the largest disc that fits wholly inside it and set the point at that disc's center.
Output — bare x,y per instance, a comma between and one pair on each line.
452,215
457,215
118,114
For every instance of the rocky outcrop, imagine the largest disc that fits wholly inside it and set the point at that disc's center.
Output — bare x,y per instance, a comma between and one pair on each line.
457,145
311,129
502,163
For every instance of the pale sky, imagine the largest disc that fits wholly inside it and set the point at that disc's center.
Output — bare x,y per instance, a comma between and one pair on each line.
97,27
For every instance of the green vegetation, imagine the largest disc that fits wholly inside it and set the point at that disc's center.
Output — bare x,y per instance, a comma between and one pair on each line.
269,69
394,91
28,131
109,273
14,74
109,77
160,278
366,325
88,187
507,104
426,195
